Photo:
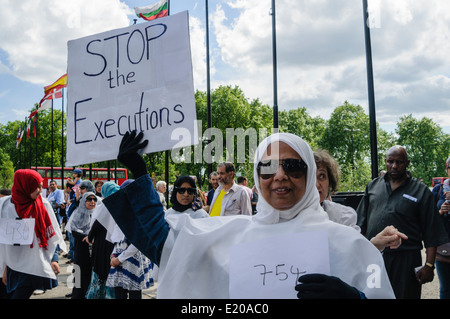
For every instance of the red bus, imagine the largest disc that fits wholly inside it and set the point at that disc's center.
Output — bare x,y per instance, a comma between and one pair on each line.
118,175
437,180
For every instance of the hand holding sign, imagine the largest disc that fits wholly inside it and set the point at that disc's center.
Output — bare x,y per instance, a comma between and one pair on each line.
128,153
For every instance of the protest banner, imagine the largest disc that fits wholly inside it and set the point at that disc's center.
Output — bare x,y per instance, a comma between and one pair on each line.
134,78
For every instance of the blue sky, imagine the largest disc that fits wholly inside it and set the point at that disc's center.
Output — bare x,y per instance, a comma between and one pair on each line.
321,54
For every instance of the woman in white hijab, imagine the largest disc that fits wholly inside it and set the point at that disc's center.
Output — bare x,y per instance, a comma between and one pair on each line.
229,257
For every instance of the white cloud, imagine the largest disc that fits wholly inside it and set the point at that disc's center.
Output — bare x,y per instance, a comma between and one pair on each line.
198,53
20,113
37,51
321,54
3,93
320,47
35,32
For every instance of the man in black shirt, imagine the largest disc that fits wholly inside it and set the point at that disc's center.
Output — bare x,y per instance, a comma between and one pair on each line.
402,201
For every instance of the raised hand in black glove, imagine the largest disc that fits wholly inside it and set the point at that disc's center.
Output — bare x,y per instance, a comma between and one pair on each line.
128,153
319,286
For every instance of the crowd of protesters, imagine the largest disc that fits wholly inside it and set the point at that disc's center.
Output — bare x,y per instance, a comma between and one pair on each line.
121,239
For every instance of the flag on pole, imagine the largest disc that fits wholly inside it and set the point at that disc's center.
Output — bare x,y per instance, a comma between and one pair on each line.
52,91
35,124
158,10
32,114
18,138
28,127
60,83
21,130
45,103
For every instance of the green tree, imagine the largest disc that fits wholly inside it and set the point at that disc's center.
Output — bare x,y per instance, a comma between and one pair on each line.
427,146
38,150
299,122
230,109
6,170
347,138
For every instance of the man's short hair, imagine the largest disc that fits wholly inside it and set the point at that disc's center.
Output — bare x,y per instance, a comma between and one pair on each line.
241,179
69,185
229,167
213,174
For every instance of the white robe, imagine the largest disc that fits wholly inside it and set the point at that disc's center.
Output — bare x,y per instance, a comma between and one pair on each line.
195,261
341,214
199,213
202,251
36,260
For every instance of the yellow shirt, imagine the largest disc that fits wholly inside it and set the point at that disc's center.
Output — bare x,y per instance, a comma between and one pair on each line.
215,210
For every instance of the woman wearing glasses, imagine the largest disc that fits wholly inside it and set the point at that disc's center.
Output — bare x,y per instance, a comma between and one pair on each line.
183,195
197,258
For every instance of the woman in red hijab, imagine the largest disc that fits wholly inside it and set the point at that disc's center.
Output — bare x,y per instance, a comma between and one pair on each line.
30,267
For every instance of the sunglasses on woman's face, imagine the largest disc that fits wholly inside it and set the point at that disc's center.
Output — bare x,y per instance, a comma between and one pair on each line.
293,167
89,199
182,190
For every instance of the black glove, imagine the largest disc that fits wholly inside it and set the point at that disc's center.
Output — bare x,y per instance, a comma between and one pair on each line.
129,156
319,286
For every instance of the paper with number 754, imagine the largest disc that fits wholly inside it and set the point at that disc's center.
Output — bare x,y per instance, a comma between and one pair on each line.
269,268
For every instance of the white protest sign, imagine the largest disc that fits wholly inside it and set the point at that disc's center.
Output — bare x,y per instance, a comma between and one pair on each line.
16,231
134,78
269,268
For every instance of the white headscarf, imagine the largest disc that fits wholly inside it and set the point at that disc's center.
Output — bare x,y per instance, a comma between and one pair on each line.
270,215
80,220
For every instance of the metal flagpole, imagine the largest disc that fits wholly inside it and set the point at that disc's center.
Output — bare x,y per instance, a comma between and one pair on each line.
208,81
37,135
20,151
30,150
62,140
274,53
166,177
115,171
52,147
371,92
25,146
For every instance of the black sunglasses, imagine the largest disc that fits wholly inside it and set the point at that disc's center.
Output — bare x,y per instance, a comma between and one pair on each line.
293,167
91,199
182,190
